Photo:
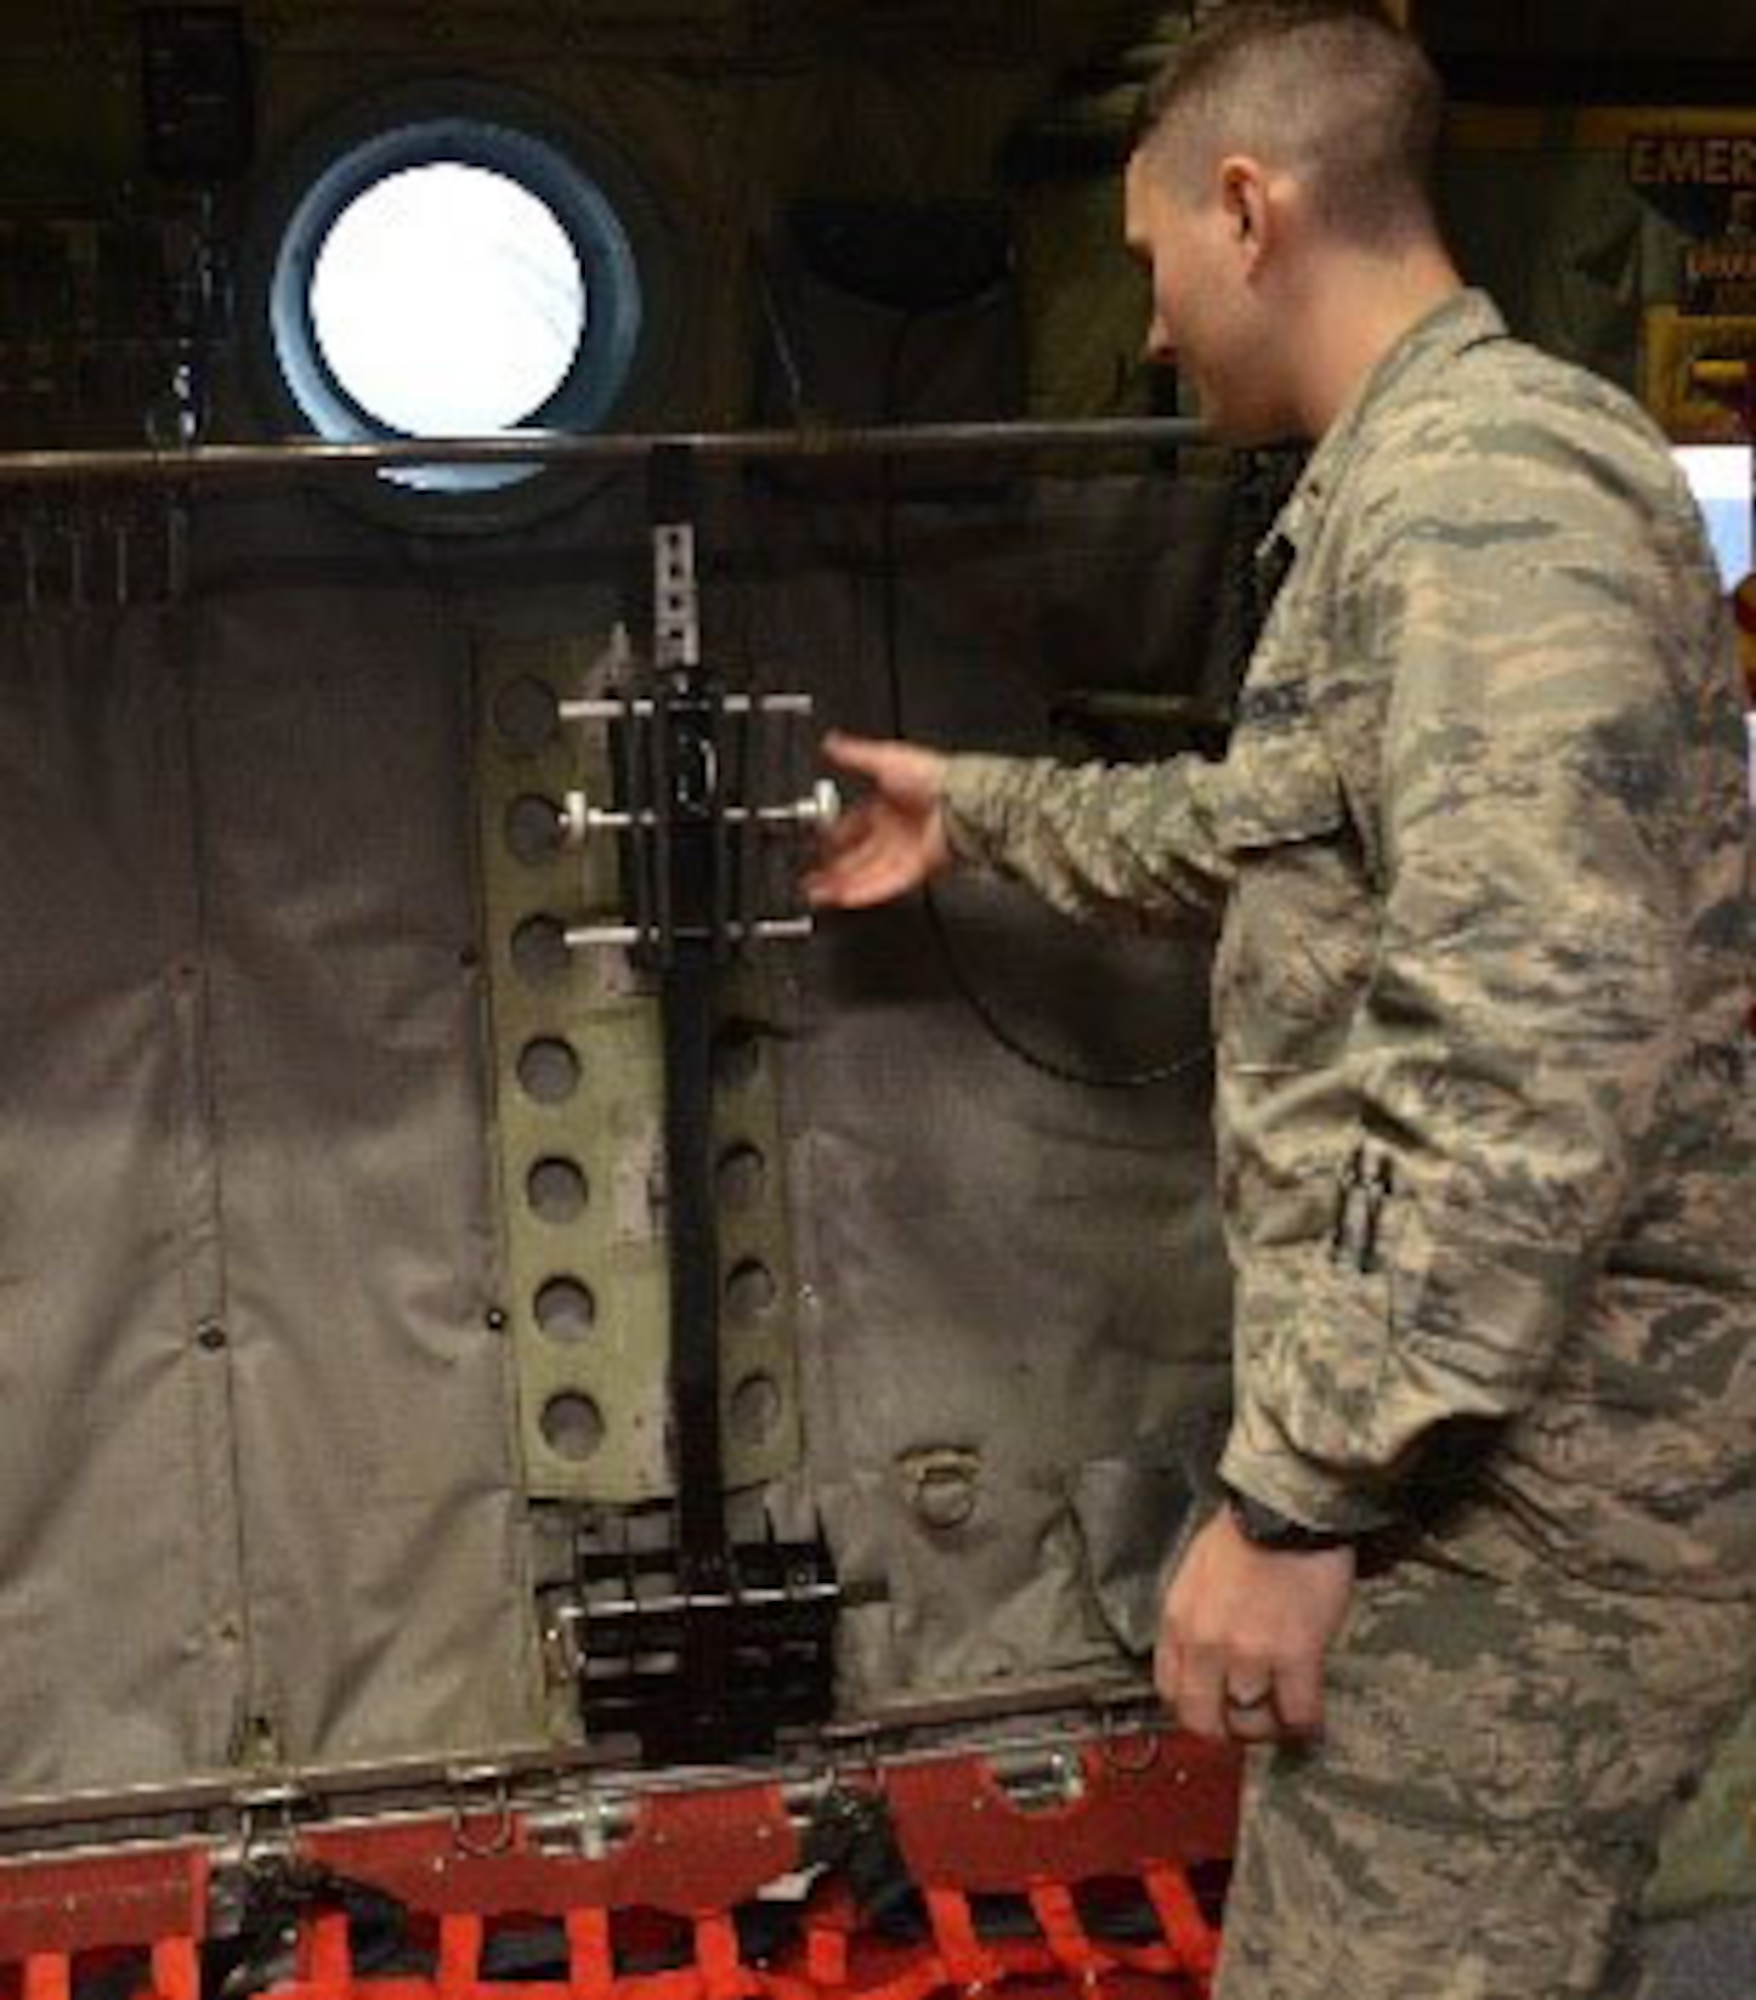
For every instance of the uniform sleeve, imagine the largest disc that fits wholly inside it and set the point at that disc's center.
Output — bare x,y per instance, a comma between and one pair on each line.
1548,641
1130,846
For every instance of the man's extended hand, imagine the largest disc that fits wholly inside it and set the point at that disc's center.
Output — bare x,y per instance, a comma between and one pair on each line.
1244,1633
891,840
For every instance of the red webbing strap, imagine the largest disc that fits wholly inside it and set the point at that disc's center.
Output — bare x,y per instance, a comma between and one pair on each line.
968,1962
48,1975
591,1969
1192,1939
724,1975
176,1969
460,1955
1058,1918
683,1985
826,1956
326,1956
924,1974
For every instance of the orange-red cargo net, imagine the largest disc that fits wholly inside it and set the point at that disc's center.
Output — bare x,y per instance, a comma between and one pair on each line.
1146,1813
832,1959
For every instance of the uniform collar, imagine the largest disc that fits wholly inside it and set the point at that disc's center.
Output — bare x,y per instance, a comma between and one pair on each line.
1464,320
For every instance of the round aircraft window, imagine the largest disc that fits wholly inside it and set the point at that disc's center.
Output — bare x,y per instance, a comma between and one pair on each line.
447,299
455,263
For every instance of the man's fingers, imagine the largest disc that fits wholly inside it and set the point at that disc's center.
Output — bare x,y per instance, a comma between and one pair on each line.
908,776
845,832
1199,1695
846,843
856,883
1256,1724
1167,1664
865,754
1298,1696
847,851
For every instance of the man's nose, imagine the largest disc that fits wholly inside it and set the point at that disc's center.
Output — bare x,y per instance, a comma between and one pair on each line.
1158,350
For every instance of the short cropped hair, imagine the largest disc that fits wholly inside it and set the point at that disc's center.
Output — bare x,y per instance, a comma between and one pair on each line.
1331,90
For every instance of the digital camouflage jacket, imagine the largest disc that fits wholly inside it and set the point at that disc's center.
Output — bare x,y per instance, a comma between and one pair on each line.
1479,854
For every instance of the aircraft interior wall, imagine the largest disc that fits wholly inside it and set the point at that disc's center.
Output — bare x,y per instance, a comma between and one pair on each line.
266,1474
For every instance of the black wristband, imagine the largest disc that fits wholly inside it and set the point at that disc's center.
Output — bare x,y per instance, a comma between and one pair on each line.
1265,1527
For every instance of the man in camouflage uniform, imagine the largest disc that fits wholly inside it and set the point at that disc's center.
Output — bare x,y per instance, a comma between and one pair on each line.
1479,852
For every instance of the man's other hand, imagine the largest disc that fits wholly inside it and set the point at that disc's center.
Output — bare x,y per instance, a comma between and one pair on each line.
890,840
1244,1634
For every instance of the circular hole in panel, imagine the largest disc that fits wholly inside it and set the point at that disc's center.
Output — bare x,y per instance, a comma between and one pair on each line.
533,829
539,950
556,1189
565,1308
755,1409
737,1056
750,1290
742,1177
548,1070
572,1425
527,715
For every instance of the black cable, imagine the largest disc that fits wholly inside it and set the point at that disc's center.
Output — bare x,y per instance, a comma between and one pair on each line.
1051,1066
1007,1038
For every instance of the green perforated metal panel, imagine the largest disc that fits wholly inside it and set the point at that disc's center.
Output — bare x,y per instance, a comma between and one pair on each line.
579,1129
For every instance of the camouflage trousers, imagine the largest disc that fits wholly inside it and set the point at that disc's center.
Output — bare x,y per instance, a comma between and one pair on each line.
1503,1746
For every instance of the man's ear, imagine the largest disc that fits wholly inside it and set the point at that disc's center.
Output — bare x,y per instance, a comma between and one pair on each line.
1243,193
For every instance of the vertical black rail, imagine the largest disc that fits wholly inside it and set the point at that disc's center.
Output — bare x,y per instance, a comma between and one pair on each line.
736,1642
703,1570
689,837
